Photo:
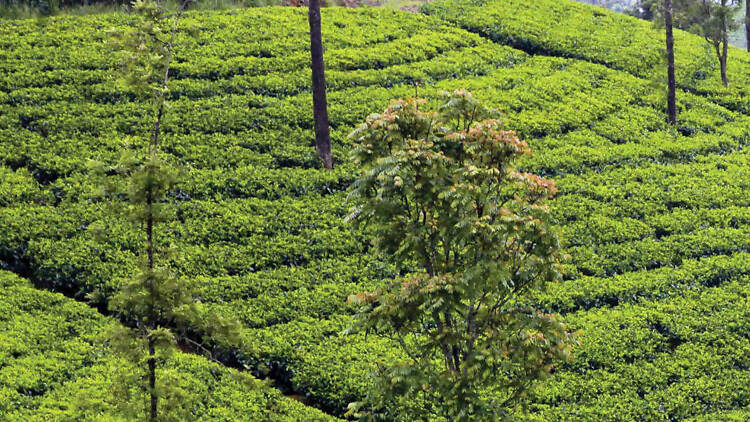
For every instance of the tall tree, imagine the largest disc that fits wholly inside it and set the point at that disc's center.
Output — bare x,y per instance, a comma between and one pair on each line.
152,300
320,103
747,24
715,20
155,305
440,191
671,84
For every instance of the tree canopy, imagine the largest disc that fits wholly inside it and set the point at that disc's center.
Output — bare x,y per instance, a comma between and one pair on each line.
441,195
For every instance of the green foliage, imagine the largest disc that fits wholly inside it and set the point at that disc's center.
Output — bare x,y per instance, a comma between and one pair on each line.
259,228
440,189
58,365
713,20
155,301
593,34
27,9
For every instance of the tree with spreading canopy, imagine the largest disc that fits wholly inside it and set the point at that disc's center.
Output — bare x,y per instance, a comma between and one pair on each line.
715,20
440,195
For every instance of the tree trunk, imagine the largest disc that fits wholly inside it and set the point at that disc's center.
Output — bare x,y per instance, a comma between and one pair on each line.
152,380
747,24
320,106
671,106
153,411
720,57
724,54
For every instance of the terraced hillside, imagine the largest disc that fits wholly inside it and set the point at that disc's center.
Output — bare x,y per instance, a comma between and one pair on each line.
655,220
56,367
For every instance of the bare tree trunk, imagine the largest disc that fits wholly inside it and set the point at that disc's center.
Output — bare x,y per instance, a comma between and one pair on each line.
320,105
724,47
671,106
152,380
724,54
747,24
722,64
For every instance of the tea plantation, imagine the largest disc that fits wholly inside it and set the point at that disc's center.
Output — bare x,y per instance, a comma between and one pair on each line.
655,220
55,367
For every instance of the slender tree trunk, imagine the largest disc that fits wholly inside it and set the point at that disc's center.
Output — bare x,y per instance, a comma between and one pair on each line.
153,410
320,106
152,380
724,47
720,57
447,356
724,55
747,24
671,106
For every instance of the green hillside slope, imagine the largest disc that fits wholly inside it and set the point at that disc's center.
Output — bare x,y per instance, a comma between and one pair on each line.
737,37
55,368
655,221
569,29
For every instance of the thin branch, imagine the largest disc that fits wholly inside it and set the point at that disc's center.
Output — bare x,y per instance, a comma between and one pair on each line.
201,348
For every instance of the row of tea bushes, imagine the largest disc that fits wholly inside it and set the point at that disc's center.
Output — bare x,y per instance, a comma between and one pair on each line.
569,29
56,366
